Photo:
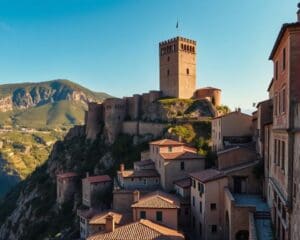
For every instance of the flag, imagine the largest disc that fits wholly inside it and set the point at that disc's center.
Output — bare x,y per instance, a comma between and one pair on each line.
177,25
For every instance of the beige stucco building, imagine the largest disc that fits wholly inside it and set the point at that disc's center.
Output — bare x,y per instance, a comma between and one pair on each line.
174,161
234,128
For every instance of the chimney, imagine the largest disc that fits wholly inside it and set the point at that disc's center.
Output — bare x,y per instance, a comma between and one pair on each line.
298,12
109,223
122,167
136,196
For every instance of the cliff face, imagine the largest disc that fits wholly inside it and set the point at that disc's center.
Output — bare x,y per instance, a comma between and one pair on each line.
30,211
27,95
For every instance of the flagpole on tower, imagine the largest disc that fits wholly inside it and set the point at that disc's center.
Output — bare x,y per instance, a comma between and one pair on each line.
177,27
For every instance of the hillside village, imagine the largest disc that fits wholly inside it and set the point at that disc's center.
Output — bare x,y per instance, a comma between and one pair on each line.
251,192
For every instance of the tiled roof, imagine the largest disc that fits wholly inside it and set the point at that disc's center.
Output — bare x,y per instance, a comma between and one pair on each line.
186,155
167,142
97,179
157,199
100,218
67,175
139,173
141,230
183,183
207,175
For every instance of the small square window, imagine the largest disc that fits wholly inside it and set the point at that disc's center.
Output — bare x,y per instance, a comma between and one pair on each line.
159,216
213,206
143,215
182,166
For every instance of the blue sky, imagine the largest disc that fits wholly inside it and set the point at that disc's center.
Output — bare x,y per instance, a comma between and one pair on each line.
112,45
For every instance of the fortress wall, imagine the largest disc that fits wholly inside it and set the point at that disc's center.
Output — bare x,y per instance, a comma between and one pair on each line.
114,114
93,119
213,94
142,128
154,95
156,129
130,127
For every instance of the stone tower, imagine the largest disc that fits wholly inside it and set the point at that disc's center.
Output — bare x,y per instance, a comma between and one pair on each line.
177,63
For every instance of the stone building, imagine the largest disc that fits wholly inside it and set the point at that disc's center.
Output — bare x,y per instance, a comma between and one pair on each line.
280,138
177,67
211,93
232,129
177,64
223,198
65,186
174,161
158,207
93,185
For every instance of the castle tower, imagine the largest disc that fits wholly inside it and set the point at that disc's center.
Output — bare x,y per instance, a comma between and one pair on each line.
177,63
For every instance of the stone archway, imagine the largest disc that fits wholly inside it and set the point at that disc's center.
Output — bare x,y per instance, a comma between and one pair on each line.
242,235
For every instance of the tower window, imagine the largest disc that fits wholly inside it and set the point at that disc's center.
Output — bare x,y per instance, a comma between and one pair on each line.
168,58
168,72
181,46
187,71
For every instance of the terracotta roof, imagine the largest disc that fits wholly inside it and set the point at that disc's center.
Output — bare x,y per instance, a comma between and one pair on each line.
207,175
139,173
141,230
67,175
97,179
186,155
157,199
100,218
167,142
281,34
184,183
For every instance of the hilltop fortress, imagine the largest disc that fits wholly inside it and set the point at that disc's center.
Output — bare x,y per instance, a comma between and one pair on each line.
144,113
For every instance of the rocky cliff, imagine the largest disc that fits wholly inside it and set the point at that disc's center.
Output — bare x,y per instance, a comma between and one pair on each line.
27,95
29,211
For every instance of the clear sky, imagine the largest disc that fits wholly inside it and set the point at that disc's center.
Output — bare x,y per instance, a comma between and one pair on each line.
112,45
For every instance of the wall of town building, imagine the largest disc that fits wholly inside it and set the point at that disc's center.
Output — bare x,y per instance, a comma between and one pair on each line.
169,216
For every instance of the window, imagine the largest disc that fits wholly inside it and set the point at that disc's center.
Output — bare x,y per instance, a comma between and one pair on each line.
276,70
193,201
200,229
283,100
283,59
142,214
159,216
194,183
170,148
182,166
283,155
168,72
213,228
213,206
186,211
294,191
187,71
200,206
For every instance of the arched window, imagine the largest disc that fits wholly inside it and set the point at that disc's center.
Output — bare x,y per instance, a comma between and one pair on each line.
182,46
187,71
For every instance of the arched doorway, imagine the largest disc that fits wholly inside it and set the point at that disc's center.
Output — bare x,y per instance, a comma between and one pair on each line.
242,235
